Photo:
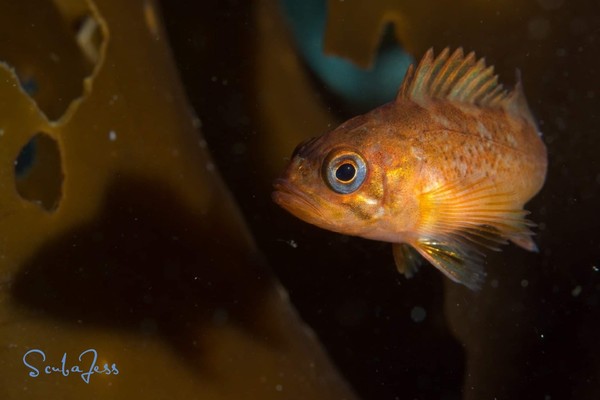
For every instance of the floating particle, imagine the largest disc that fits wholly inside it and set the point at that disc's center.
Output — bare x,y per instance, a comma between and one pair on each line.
238,148
550,4
148,326
418,314
293,244
560,123
113,99
524,283
539,28
220,316
576,291
112,136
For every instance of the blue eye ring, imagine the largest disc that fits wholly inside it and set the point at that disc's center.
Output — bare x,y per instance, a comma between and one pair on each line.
344,171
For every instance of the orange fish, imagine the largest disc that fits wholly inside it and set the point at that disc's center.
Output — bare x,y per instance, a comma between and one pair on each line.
445,169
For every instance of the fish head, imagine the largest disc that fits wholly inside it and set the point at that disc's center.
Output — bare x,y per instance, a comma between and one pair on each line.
335,181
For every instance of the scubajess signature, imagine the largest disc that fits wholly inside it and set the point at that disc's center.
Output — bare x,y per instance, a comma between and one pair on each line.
86,366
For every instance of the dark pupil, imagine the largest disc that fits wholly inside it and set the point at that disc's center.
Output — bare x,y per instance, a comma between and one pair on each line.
345,172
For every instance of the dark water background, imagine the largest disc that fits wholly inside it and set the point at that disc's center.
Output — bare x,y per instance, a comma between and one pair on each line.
533,334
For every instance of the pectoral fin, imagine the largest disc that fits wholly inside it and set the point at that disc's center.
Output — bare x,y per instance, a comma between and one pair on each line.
476,212
406,258
460,218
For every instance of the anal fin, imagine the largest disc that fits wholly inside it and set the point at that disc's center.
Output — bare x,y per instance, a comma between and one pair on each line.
406,258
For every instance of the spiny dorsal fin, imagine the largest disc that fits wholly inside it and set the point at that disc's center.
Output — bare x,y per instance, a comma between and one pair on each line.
453,77
517,103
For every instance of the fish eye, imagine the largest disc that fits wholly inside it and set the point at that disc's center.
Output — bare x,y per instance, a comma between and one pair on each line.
344,172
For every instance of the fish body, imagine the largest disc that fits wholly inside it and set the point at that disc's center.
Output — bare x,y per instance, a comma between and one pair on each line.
445,169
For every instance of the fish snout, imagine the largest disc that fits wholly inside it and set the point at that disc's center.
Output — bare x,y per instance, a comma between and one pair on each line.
283,191
288,196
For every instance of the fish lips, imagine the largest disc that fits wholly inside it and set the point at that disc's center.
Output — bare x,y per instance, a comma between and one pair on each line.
299,203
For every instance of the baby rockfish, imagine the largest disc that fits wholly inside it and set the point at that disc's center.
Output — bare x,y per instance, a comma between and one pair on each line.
445,169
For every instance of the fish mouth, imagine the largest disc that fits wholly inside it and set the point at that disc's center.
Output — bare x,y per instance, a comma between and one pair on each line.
294,200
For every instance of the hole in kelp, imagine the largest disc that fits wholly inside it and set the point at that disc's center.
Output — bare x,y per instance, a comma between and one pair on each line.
50,52
89,37
347,87
38,172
